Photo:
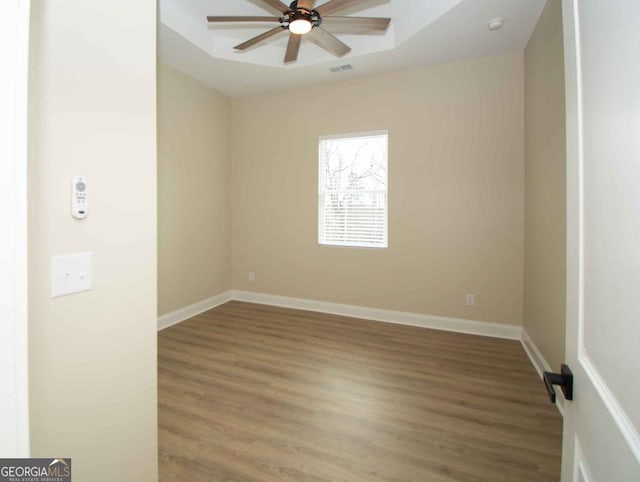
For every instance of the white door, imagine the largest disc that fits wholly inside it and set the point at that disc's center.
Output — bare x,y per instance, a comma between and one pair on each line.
602,61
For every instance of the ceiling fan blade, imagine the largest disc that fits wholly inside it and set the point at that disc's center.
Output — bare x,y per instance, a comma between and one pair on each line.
337,5
242,19
276,5
329,42
308,4
260,38
292,48
355,25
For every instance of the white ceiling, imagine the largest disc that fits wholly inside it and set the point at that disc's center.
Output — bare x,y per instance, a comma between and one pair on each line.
421,32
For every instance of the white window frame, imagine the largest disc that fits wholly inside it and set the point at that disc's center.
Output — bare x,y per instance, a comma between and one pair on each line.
322,193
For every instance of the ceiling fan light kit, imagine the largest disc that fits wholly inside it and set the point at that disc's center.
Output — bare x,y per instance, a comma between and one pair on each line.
300,19
300,26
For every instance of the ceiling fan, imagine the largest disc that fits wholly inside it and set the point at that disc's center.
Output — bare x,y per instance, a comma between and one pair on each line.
301,19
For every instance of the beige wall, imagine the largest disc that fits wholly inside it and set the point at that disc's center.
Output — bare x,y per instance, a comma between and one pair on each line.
92,355
455,195
545,188
194,189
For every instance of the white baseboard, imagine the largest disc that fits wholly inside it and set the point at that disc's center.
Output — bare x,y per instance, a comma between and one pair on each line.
458,325
537,360
540,364
496,330
175,317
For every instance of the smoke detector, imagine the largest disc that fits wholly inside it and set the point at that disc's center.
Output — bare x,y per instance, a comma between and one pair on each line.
495,23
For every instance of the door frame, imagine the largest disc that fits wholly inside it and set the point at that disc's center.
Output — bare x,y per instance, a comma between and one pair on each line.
14,390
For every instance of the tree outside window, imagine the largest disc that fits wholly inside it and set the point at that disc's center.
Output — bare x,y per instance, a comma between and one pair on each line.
352,201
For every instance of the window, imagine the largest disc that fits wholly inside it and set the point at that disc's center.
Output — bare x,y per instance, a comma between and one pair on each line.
352,190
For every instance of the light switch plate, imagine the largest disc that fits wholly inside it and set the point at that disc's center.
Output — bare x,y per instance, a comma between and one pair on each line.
70,274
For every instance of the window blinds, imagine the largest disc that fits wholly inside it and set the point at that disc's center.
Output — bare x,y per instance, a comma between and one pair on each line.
352,191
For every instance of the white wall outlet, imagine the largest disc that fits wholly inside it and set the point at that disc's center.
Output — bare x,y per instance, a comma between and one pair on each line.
252,276
70,274
470,299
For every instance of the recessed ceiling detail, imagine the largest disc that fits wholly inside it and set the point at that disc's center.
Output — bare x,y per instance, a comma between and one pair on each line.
221,39
421,32
303,20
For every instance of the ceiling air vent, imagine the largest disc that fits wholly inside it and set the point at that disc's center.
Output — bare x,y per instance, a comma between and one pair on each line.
341,68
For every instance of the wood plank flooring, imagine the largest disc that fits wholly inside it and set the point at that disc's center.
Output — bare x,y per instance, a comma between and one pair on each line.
256,393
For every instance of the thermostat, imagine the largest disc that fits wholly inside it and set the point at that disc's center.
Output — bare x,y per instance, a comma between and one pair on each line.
79,197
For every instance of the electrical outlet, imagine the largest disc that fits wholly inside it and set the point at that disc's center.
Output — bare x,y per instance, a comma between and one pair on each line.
252,276
470,299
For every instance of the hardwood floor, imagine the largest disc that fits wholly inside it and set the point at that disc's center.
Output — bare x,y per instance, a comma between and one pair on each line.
256,393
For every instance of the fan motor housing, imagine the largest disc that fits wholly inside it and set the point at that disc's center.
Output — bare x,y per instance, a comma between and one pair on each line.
296,13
